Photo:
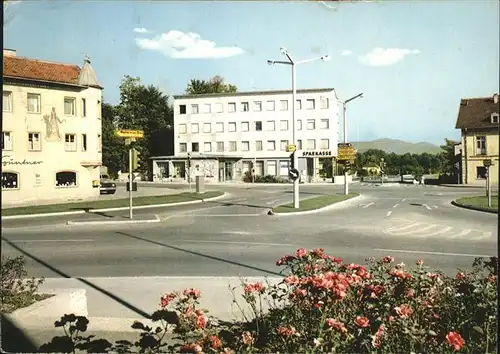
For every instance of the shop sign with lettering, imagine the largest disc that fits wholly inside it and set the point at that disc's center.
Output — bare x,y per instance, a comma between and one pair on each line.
320,153
9,161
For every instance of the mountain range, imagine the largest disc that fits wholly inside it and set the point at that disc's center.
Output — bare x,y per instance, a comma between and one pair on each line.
396,146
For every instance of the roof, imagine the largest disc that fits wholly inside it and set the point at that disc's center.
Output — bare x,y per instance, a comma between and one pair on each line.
254,93
40,70
476,113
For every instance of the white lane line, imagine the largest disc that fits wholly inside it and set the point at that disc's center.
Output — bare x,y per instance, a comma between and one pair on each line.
483,236
427,207
400,228
33,241
428,227
236,232
435,206
433,253
272,202
403,199
368,205
238,243
463,233
389,213
395,205
442,231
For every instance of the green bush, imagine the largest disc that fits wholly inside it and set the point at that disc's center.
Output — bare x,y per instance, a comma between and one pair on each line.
247,177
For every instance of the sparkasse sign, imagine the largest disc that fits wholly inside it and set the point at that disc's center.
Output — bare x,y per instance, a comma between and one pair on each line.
318,153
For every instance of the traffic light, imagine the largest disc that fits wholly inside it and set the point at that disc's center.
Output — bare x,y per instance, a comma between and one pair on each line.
135,159
292,160
347,166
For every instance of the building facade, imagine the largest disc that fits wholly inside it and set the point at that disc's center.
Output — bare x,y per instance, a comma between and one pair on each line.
51,131
225,136
478,121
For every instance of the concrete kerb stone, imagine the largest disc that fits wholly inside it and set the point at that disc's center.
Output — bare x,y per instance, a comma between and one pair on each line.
156,219
470,207
28,216
319,210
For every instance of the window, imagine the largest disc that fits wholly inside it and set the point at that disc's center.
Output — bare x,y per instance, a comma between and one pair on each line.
299,144
195,128
182,109
298,104
310,104
258,126
284,105
195,147
70,142
84,142
231,107
182,128
10,180
257,106
220,146
270,105
324,144
232,146
324,124
207,108
258,145
7,101
232,127
219,127
207,127
69,106
219,108
195,109
480,145
284,125
494,118
34,143
283,145
299,124
245,145
284,166
480,172
271,145
310,124
84,107
245,126
6,140
99,142
270,125
66,179
311,144
244,107
34,103
183,147
324,103
207,147
271,168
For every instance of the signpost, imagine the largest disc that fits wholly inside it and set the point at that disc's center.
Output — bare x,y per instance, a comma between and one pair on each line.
487,163
291,148
130,137
346,152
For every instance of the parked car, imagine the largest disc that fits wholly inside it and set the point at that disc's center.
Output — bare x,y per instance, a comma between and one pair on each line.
107,186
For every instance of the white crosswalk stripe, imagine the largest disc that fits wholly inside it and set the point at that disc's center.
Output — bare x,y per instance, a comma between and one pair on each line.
423,230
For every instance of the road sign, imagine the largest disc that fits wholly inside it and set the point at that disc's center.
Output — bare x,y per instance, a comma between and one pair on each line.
125,133
487,163
346,152
293,173
291,148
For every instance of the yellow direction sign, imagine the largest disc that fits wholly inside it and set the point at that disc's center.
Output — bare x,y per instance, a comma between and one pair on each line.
346,152
124,133
291,148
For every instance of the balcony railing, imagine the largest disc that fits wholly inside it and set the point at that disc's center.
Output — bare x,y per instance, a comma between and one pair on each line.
480,151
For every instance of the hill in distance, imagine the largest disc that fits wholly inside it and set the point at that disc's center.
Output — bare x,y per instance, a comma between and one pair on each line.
399,147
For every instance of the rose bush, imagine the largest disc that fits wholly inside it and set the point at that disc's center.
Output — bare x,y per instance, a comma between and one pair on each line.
325,305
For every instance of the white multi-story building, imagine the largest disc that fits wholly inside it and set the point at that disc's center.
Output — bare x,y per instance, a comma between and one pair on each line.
226,135
51,131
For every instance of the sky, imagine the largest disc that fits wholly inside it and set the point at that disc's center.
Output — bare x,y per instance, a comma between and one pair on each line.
412,60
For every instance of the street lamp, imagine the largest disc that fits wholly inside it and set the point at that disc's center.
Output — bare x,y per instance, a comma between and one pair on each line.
344,103
294,64
382,169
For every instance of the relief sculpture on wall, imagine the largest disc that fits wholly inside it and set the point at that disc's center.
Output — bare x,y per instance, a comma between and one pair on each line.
52,122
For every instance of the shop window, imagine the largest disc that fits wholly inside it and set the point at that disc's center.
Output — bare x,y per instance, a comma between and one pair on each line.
66,179
10,180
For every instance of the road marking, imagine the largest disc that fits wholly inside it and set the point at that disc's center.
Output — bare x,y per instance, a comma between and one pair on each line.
30,241
435,206
427,207
442,231
273,202
403,199
395,205
428,227
236,232
239,243
400,228
433,253
464,232
368,205
389,213
226,215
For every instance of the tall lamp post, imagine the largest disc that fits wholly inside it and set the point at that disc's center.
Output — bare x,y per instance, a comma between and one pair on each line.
294,64
344,103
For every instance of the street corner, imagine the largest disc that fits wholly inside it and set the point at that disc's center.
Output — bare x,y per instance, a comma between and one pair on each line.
117,220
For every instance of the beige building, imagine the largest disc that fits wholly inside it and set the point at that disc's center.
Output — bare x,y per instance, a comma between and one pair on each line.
478,120
51,131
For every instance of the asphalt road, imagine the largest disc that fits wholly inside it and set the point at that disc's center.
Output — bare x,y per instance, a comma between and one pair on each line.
234,236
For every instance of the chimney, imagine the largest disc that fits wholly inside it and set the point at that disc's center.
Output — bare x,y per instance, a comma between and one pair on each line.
9,52
495,98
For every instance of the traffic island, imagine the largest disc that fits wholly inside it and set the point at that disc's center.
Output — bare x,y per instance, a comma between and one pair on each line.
314,205
478,203
109,205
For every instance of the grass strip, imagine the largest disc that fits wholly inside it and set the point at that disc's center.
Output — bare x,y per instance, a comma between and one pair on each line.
111,203
314,203
480,202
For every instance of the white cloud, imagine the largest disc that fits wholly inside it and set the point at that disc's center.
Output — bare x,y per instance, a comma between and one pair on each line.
179,45
346,52
386,57
141,30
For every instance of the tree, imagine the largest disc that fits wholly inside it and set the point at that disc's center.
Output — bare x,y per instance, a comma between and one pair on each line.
448,158
214,85
113,149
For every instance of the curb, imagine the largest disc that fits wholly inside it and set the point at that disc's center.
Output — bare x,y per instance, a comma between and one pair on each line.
114,222
314,211
470,207
27,216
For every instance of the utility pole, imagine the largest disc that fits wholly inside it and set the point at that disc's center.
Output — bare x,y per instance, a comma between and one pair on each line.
130,179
